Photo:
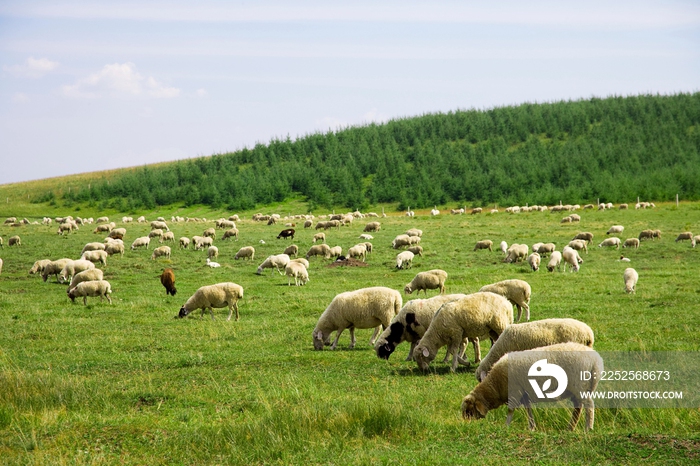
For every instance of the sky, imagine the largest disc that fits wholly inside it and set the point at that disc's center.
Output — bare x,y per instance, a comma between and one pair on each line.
94,85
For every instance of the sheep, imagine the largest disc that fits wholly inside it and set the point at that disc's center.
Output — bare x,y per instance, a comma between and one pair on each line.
685,236
73,267
477,314
696,240
86,276
518,292
484,244
571,257
372,227
612,241
232,232
162,251
141,219
292,250
94,288
102,220
546,248
367,237
476,210
566,219
157,233
202,242
615,229
301,260
95,256
212,252
655,234
117,233
14,241
65,227
288,233
219,295
336,251
516,252
246,252
359,251
1,245
102,228
578,245
93,247
297,271
159,224
631,243
430,280
319,237
308,223
54,268
534,261
319,250
585,236
404,260
416,250
414,232
434,212
168,236
504,247
554,261
495,389
274,262
213,265
410,325
623,206
1,265
401,241
364,308
414,240
167,279
39,266
630,278
184,242
10,220
525,336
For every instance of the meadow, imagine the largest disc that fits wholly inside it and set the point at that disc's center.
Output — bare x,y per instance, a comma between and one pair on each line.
129,383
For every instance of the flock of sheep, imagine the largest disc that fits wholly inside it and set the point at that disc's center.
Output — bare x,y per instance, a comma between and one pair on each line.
451,321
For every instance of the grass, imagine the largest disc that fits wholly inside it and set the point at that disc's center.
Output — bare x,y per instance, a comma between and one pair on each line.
101,384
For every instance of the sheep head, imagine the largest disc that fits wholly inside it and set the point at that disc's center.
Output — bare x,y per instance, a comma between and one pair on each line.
423,357
183,312
472,408
320,340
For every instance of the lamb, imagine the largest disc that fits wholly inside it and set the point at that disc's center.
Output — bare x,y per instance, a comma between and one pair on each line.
297,271
630,277
367,237
72,267
685,236
525,336
246,252
430,280
184,242
359,251
212,252
410,324
484,244
372,227
534,261
696,240
578,245
39,266
14,241
631,243
292,250
162,251
86,276
494,390
54,268
586,236
232,232
220,295
571,257
140,242
554,261
477,314
94,288
95,256
168,236
401,241
167,279
416,250
518,292
274,262
159,224
336,251
319,237
615,229
363,308
404,260
516,252
319,250
213,265
612,241
504,247
414,232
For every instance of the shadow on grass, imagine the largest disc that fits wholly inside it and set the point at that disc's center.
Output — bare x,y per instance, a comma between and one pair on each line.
437,370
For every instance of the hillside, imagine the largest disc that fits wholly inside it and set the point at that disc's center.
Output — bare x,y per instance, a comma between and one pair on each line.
615,149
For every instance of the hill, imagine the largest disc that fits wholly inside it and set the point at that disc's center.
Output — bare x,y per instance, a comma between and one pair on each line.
615,149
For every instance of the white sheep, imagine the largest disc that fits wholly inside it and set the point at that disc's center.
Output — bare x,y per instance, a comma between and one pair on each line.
54,268
277,262
292,250
585,236
115,247
474,315
140,242
336,251
319,237
359,251
168,236
232,232
372,227
220,295
615,229
86,276
404,260
93,247
578,245
401,241
571,257
484,244
319,250
184,242
39,266
414,232
91,288
95,256
434,212
518,292
202,242
430,280
162,251
159,224
529,335
544,248
416,250
73,267
495,390
213,265
696,240
301,260
630,278
504,247
297,271
364,308
612,241
631,243
246,252
212,252
516,252
685,236
534,261
367,237
554,261
14,241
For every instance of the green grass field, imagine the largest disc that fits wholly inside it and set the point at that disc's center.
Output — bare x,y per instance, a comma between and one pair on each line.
129,383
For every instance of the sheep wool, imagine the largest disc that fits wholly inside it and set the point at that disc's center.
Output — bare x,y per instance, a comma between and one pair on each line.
297,271
430,280
86,276
518,292
630,277
276,262
219,295
91,288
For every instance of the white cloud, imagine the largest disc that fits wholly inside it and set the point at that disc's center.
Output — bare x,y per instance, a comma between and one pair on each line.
20,97
201,93
32,67
117,80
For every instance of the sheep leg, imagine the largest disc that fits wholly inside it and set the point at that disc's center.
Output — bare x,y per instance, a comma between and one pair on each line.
84,300
211,310
477,350
278,270
509,418
335,343
590,414
575,415
108,299
410,351
527,311
352,337
520,311
375,334
530,417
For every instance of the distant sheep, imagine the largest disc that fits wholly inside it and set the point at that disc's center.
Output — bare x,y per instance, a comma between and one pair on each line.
631,243
319,250
615,229
578,245
162,251
534,261
609,242
404,260
571,257
291,250
336,251
401,241
168,236
685,236
184,242
359,251
247,252
430,280
319,237
212,252
220,295
585,236
414,232
297,271
517,253
167,279
231,233
202,242
159,224
630,278
91,288
276,262
554,261
546,248
14,241
367,237
416,250
288,233
484,244
93,247
518,292
372,227
140,242
96,256
86,276
73,267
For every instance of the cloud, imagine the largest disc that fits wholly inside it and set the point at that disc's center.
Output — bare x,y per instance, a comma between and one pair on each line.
32,67
201,93
118,80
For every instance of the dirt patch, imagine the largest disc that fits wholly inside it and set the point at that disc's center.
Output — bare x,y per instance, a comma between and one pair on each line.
349,262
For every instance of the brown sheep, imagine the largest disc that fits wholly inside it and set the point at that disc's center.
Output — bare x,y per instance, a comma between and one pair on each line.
167,278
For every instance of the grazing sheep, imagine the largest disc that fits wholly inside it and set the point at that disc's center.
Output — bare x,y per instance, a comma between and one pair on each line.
39,266
516,253
247,252
72,267
319,237
359,251
612,241
615,229
102,228
117,233
232,232
525,336
157,233
474,315
685,236
656,234
96,256
554,261
93,247
430,280
1,245
534,261
336,251
404,260
288,233
623,206
546,248
292,250
476,210
277,262
504,247
168,236
220,295
102,220
484,244
212,252
416,250
631,243
64,227
167,279
86,276
14,241
367,237
630,277
414,232
363,308
308,223
202,242
319,250
54,268
571,257
401,241
184,242
162,251
566,219
696,239
301,260
585,236
91,288
518,292
578,245
372,227
159,224
297,271
495,390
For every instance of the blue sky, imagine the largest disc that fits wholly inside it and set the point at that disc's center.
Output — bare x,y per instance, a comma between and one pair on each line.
91,85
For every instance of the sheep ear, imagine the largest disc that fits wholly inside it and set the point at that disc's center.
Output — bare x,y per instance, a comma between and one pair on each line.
481,408
426,353
482,376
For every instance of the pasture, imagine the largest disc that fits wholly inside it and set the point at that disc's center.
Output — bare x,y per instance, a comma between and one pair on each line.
129,383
